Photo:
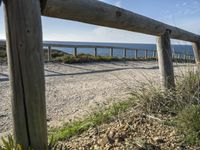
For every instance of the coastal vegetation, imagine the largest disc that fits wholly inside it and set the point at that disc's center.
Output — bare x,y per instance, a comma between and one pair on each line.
175,111
150,107
170,119
58,56
3,55
61,57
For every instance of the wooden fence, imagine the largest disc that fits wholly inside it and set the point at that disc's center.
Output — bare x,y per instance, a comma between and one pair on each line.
25,53
144,53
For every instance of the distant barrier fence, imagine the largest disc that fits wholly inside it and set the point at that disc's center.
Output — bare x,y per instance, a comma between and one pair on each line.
137,53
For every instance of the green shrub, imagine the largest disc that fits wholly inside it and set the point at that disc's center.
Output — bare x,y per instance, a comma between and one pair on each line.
188,123
77,127
3,54
8,144
155,100
84,58
188,89
57,54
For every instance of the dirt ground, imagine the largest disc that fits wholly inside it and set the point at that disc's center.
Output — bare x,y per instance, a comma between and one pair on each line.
75,91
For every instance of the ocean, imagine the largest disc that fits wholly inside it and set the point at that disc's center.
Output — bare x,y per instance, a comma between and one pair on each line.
182,49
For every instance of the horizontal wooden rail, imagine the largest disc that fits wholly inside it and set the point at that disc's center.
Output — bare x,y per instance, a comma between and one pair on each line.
100,13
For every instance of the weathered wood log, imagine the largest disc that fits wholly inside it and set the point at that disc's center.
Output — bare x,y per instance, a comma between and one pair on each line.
154,53
125,53
146,54
100,13
196,50
165,60
186,58
75,52
24,46
95,52
136,53
179,56
49,53
111,52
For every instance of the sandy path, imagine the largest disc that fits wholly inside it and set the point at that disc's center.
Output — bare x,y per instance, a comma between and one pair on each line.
73,91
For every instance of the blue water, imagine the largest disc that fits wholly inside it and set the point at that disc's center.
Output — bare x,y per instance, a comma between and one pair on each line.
119,52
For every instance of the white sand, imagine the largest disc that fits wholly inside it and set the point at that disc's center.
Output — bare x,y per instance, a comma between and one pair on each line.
74,91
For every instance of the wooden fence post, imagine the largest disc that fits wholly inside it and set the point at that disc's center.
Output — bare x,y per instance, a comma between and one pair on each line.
111,52
95,52
179,56
185,56
125,53
196,50
165,60
154,54
25,57
189,58
75,52
176,56
136,53
49,53
146,54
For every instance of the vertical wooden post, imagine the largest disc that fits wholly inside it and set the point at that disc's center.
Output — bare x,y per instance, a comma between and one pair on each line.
125,53
95,52
190,57
111,52
154,54
196,50
179,56
185,57
165,60
173,56
176,56
25,57
75,52
136,53
49,53
146,54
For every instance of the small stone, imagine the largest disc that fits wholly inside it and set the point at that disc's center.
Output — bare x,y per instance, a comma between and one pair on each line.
159,140
112,133
149,146
103,141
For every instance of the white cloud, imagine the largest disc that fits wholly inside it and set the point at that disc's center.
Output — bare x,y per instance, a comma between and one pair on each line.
104,34
2,36
101,34
103,0
184,4
118,3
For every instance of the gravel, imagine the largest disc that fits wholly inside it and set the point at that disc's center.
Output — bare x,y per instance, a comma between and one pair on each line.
75,91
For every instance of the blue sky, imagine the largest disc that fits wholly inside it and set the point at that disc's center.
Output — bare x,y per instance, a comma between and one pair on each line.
181,13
